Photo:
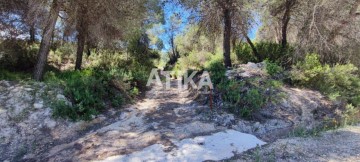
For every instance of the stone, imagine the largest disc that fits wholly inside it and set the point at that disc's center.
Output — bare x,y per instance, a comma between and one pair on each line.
225,120
252,65
155,125
243,126
28,89
50,123
60,97
172,125
5,83
2,88
39,105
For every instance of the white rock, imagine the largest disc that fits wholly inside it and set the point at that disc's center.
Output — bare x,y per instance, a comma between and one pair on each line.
28,89
252,65
218,146
39,105
60,97
50,123
5,83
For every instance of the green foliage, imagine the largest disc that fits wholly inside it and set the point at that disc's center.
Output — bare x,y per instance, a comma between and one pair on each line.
338,82
303,132
272,68
217,71
267,51
66,52
13,76
241,100
244,53
135,91
139,50
88,90
17,55
138,75
254,99
351,115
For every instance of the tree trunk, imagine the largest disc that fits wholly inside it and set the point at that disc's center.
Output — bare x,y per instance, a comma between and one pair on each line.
227,38
253,48
32,33
285,23
81,29
80,49
175,54
45,41
289,4
88,50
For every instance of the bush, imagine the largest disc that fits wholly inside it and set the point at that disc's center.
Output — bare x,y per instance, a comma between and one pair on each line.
217,71
65,52
13,76
240,100
267,51
139,75
338,82
88,90
272,68
350,115
17,55
244,53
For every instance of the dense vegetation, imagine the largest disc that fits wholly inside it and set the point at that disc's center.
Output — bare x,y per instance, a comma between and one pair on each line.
101,53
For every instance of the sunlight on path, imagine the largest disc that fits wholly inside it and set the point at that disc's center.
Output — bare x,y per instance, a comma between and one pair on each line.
218,146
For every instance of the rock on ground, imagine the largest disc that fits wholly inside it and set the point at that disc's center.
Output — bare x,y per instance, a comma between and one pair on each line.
165,121
291,107
335,145
27,127
163,124
218,146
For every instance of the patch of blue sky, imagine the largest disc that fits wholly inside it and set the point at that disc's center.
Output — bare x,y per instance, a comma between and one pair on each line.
172,8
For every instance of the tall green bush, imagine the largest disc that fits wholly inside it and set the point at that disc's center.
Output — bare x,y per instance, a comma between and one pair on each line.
217,71
267,51
338,82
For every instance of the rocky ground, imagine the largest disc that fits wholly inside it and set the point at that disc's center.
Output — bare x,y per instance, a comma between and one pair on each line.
27,127
165,125
165,120
336,145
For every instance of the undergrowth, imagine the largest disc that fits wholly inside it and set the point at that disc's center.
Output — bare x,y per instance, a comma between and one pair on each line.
93,91
243,97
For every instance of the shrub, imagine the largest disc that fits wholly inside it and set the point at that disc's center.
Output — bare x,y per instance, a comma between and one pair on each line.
239,100
350,115
13,76
88,90
267,51
17,55
217,71
272,68
139,75
338,82
244,53
67,50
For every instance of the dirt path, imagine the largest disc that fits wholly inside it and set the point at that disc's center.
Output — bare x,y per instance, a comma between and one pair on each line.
336,145
165,126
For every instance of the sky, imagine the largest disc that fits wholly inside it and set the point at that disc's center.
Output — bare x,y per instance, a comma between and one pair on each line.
170,9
